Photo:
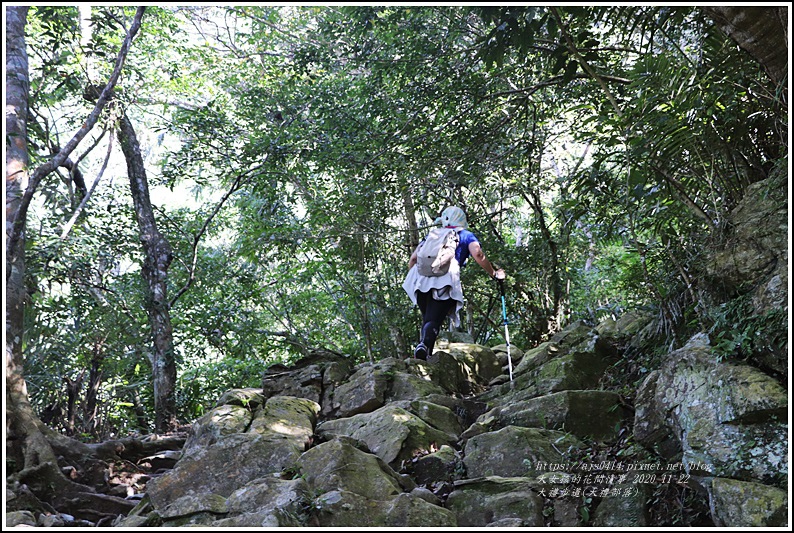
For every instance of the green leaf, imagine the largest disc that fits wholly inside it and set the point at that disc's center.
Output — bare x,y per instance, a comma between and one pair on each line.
570,71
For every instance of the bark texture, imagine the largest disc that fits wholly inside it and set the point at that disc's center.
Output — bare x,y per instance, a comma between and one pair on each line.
17,87
35,454
157,258
761,32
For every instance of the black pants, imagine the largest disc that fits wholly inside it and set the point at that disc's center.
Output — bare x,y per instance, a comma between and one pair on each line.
433,314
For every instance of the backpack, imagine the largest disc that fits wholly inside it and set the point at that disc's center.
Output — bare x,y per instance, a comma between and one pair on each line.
436,252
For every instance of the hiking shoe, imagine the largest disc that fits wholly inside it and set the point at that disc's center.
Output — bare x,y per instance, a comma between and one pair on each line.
421,351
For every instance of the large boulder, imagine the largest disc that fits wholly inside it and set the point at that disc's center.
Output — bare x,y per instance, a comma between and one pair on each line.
754,262
557,366
446,371
220,421
580,368
437,416
250,398
491,500
336,465
225,452
392,433
220,469
517,452
757,240
358,489
365,390
626,506
744,504
574,333
567,512
536,356
267,502
628,329
411,510
343,509
441,466
20,519
501,351
480,362
268,518
728,419
412,385
313,377
294,418
587,414
373,385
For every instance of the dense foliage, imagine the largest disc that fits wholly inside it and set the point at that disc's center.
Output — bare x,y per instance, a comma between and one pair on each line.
299,153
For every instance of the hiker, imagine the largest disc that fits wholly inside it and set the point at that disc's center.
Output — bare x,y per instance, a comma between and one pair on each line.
439,296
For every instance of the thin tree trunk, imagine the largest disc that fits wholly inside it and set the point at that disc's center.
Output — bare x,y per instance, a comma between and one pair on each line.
92,391
140,413
157,258
73,387
410,216
554,318
17,223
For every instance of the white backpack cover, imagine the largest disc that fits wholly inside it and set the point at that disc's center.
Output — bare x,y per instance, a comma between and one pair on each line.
436,252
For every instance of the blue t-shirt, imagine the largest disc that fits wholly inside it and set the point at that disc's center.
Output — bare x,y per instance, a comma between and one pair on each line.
462,252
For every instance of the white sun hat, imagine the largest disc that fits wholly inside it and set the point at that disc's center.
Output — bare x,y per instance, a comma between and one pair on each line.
454,216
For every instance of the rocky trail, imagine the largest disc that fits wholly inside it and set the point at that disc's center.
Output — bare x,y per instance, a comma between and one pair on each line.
453,442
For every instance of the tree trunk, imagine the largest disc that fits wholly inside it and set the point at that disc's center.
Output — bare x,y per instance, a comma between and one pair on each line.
554,318
17,86
29,457
157,258
33,450
761,32
91,394
410,216
73,387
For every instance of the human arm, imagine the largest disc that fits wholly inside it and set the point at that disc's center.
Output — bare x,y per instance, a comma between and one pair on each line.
412,260
476,252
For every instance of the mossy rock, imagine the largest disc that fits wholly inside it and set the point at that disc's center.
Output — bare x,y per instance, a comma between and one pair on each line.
517,452
495,500
742,504
336,465
587,414
251,398
391,432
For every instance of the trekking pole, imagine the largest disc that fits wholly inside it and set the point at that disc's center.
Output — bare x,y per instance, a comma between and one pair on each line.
507,333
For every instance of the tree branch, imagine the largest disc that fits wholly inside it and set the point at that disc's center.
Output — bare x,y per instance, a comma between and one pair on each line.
585,66
68,227
18,225
680,192
196,238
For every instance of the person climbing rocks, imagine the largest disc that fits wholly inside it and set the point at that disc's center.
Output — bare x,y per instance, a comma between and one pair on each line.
440,296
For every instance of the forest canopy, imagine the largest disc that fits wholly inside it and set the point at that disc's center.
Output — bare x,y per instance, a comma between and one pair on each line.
258,177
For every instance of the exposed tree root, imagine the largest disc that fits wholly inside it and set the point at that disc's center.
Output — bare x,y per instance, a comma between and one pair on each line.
88,484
